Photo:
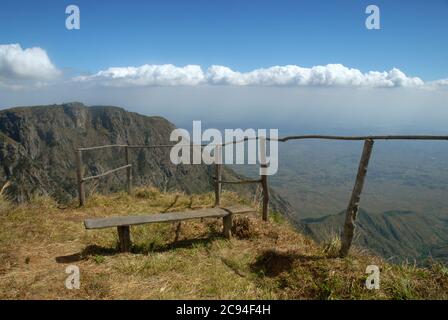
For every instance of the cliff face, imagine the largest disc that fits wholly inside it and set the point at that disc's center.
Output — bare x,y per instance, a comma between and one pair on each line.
37,152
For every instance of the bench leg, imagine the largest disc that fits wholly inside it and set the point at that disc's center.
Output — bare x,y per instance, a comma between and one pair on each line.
227,223
124,238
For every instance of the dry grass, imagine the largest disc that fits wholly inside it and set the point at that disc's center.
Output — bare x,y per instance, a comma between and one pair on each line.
39,240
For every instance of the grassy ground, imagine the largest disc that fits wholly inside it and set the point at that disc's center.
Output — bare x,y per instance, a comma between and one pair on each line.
39,240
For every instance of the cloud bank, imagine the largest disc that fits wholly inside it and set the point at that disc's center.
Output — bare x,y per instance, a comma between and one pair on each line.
147,75
32,64
443,83
331,75
21,67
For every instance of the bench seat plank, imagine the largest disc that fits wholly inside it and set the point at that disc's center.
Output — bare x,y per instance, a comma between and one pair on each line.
129,220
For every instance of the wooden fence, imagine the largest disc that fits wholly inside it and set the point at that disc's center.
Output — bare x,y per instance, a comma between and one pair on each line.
353,206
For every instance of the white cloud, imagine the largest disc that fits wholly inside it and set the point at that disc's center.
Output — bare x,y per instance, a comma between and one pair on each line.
224,76
31,64
291,75
148,75
442,83
329,75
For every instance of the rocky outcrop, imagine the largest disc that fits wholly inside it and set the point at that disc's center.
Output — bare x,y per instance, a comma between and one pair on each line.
37,147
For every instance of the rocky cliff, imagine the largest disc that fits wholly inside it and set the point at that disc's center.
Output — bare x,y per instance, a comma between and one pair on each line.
37,152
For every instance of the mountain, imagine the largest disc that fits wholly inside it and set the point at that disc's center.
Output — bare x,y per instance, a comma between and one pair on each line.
395,235
37,146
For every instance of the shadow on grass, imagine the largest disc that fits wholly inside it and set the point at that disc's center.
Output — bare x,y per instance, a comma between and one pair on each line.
271,262
90,250
94,250
179,244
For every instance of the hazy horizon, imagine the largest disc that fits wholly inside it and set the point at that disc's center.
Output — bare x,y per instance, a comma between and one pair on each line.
322,110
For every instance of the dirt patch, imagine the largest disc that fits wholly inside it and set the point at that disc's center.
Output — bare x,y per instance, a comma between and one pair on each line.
244,228
273,262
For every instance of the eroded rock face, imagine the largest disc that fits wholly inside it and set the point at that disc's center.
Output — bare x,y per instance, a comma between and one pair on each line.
37,156
37,150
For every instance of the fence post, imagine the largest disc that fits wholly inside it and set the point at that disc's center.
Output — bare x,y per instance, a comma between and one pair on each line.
353,206
128,172
264,177
79,176
264,184
218,174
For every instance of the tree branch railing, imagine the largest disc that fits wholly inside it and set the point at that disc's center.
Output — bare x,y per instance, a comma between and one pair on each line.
106,173
238,181
353,206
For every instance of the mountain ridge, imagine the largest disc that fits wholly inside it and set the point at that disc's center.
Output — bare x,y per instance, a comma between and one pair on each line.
37,146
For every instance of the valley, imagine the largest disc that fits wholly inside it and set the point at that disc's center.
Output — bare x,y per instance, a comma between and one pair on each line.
312,186
317,178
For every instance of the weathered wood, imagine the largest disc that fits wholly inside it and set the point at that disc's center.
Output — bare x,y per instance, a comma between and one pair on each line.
106,173
264,185
218,170
353,206
128,171
264,177
240,181
102,147
363,138
79,176
218,175
124,238
227,225
116,221
168,145
321,137
287,138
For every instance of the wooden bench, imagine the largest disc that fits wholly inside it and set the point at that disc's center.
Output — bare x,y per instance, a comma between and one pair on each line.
124,222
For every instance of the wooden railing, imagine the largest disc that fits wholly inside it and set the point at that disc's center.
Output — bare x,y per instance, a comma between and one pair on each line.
80,170
353,206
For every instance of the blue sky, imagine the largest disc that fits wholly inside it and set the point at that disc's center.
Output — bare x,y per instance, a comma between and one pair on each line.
276,63
243,35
